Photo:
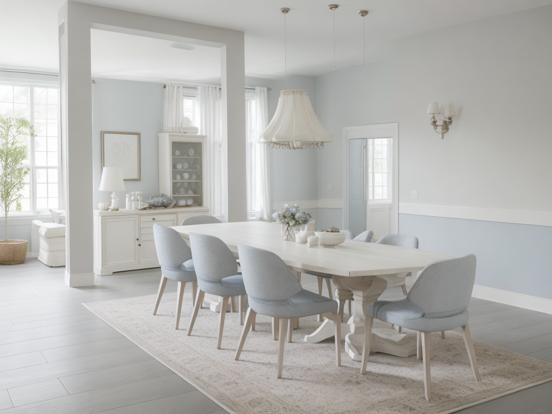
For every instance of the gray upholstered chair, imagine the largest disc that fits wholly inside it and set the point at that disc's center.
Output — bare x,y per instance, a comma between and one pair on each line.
402,240
200,220
274,290
175,258
217,274
438,301
365,236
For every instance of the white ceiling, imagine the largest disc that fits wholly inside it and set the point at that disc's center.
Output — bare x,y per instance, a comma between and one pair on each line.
28,33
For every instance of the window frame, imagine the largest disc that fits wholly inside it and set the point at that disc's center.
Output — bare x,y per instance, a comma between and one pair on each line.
33,81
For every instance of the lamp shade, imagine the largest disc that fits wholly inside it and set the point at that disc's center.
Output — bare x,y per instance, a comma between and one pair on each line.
433,108
112,179
295,124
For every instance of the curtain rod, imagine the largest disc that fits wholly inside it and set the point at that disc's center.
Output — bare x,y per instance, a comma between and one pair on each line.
249,88
28,72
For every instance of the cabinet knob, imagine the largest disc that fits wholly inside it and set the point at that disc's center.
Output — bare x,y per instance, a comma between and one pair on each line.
139,245
153,218
137,239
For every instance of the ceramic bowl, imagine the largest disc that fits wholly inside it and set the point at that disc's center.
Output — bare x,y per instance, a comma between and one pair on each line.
330,239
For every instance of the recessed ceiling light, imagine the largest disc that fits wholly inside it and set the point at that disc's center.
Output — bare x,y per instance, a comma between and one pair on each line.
183,46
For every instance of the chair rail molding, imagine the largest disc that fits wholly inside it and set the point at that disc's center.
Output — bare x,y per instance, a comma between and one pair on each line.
512,216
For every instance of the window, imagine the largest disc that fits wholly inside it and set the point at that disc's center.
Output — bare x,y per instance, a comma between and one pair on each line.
253,192
190,106
379,170
39,104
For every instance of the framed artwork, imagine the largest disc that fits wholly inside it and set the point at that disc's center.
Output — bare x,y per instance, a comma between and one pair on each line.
122,149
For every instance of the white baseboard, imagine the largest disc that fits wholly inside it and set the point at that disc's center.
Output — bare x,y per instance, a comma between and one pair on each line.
519,300
76,280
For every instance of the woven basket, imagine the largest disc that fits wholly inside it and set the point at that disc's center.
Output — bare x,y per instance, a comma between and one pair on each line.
13,251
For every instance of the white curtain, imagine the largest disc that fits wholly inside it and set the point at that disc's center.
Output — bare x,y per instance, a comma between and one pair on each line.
211,125
173,110
258,167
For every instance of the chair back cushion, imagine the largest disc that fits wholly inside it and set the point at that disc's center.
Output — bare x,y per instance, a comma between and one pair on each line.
444,288
266,276
200,220
212,258
402,240
171,248
365,236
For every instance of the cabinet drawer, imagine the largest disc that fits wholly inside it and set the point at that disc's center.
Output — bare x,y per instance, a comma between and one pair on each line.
158,218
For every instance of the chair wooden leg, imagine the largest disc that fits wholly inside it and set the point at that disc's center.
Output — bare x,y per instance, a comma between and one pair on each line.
160,290
198,303
247,325
471,352
281,344
290,331
241,309
254,322
194,292
223,305
419,346
180,299
320,284
442,334
232,304
426,351
368,320
337,320
275,324
403,287
329,286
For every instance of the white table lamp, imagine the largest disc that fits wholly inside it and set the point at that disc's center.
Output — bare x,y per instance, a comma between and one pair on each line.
112,180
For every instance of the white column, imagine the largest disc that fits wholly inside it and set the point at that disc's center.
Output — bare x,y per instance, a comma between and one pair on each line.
74,42
233,82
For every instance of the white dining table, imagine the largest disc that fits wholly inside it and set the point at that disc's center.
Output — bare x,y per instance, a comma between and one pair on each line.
358,270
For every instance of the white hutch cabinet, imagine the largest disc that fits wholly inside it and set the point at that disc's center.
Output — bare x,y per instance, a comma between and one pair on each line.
123,240
182,168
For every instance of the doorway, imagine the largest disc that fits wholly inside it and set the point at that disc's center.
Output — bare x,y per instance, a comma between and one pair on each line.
371,179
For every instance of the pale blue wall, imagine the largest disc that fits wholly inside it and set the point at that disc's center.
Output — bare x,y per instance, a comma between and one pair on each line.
514,257
119,105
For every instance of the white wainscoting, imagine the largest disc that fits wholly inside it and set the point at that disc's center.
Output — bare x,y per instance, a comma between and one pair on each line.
531,217
519,300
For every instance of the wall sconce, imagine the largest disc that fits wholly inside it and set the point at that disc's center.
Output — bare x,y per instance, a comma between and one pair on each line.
441,117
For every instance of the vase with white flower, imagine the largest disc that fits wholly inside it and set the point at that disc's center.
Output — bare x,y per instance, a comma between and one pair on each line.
291,218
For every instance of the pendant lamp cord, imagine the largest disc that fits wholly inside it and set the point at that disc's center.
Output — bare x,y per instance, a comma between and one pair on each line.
285,11
333,40
363,13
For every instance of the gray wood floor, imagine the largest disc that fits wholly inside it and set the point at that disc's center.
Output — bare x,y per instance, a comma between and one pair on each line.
56,357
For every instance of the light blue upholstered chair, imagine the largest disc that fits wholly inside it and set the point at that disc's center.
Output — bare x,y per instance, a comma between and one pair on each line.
438,301
205,219
365,236
217,274
273,290
175,258
402,240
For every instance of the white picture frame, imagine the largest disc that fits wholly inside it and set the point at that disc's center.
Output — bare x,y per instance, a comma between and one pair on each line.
122,149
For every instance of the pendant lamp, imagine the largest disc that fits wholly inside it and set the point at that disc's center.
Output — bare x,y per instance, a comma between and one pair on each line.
294,124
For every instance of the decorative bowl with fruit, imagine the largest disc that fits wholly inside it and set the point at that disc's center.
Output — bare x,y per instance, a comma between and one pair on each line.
330,237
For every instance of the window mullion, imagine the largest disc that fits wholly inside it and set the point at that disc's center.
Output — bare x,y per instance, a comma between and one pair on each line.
32,172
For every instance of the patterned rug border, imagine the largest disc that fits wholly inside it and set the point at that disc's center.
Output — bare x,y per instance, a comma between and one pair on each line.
144,346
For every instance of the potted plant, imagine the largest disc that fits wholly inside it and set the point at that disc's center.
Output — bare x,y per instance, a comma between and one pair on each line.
12,176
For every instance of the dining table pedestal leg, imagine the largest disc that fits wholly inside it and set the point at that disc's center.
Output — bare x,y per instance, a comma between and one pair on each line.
366,291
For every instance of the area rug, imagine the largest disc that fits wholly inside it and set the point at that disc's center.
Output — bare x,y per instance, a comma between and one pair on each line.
311,382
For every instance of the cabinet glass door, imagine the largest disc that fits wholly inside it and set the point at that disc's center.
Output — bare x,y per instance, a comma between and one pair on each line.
187,178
